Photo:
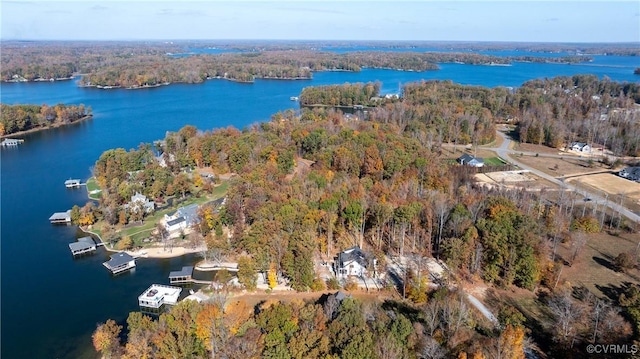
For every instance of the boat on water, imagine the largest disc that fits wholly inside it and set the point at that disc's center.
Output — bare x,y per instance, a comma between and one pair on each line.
70,183
294,98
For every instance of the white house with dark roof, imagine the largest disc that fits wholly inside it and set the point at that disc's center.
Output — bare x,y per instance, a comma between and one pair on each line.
185,217
580,147
352,262
468,160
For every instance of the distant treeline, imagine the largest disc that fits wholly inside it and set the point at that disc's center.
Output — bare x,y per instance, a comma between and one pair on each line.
341,95
135,65
16,118
550,112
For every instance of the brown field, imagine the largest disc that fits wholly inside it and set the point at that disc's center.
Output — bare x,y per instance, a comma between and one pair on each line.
567,166
618,189
529,147
612,184
593,268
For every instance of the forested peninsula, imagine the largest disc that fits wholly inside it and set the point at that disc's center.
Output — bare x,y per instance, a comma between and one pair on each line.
142,65
382,183
15,119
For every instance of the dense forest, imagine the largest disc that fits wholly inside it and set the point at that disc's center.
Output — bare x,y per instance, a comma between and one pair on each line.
382,184
142,65
332,328
16,118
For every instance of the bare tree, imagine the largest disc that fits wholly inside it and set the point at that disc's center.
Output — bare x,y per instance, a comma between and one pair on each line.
567,314
579,239
431,349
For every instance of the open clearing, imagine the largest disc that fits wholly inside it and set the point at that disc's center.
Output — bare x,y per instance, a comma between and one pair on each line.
612,184
594,269
566,166
618,189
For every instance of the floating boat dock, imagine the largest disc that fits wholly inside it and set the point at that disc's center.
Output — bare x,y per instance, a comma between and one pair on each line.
11,142
157,295
61,217
120,262
70,183
82,246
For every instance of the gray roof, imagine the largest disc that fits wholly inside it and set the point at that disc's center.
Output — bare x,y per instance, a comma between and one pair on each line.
467,158
185,271
353,254
190,213
119,259
60,216
80,246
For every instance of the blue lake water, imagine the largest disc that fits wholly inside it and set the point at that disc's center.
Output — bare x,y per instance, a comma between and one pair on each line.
51,302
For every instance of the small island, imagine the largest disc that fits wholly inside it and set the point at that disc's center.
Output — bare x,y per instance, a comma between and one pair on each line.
21,119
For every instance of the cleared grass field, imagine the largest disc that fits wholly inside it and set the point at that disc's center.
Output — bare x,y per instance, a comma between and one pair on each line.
493,161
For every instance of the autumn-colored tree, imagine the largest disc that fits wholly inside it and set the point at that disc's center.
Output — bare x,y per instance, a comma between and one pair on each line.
105,339
272,277
210,328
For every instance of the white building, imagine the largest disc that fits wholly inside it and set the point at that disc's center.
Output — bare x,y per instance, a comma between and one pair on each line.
185,217
352,262
580,147
158,295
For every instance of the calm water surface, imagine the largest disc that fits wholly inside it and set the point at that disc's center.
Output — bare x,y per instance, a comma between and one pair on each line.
52,302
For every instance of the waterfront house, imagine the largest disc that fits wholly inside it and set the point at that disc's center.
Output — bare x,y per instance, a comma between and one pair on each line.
157,295
140,202
83,245
352,262
467,159
185,217
61,217
580,147
120,262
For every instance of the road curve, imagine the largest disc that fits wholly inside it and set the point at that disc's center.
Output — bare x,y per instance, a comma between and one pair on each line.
504,152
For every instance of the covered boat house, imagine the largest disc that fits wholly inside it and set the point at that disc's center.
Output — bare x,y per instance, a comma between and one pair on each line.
82,246
181,276
120,262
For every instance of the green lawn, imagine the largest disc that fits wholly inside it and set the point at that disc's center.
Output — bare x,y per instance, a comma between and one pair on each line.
93,189
493,161
138,233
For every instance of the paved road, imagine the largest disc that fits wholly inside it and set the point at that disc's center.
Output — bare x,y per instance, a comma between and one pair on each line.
504,152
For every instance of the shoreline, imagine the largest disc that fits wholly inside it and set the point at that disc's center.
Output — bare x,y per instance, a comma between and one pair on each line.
148,252
39,129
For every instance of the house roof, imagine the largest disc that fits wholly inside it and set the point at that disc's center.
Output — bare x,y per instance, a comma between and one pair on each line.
190,213
185,271
353,254
79,246
119,259
467,158
173,222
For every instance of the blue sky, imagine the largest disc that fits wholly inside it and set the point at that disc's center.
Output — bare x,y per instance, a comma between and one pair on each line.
537,21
